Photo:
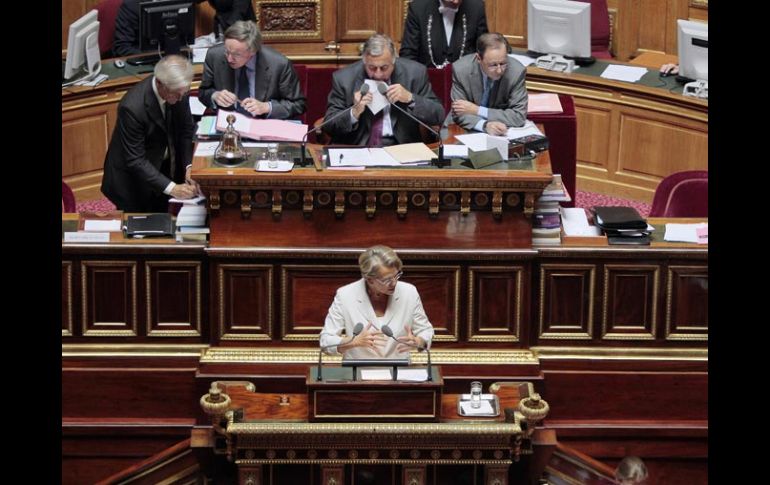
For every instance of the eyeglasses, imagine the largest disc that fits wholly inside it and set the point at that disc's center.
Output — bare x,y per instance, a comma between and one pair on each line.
237,55
497,65
374,68
391,279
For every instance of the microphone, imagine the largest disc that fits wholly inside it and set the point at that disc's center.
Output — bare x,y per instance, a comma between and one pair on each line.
383,88
387,331
358,328
364,89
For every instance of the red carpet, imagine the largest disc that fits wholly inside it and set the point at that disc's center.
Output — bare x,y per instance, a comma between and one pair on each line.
584,199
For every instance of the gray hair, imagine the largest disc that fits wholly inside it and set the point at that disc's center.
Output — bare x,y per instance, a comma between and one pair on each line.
377,257
174,72
631,469
375,45
245,31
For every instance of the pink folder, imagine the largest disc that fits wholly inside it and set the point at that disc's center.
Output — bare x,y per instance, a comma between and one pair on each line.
544,103
259,129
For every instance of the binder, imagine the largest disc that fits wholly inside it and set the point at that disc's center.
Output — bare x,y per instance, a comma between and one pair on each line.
150,225
617,217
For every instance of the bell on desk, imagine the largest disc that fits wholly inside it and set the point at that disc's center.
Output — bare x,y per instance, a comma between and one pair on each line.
230,150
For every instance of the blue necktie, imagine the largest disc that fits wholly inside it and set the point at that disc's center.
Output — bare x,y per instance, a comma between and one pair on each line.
487,91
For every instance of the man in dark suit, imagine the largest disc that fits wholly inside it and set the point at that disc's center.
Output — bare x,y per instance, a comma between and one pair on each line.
407,85
438,32
255,79
488,89
150,152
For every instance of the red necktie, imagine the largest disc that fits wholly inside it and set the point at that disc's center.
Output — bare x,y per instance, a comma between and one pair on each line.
375,130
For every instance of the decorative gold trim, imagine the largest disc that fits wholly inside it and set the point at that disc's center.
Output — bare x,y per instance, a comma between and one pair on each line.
620,353
68,332
176,476
516,335
128,332
485,430
587,335
369,461
699,4
309,356
194,330
682,336
641,268
268,35
369,416
133,350
221,292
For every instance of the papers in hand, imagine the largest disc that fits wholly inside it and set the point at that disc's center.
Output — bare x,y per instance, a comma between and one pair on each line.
379,101
485,408
196,107
259,129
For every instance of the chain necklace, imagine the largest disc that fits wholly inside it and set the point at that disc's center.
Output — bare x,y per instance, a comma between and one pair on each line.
430,43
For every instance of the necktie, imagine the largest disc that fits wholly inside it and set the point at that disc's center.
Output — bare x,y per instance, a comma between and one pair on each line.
375,130
487,92
243,89
170,140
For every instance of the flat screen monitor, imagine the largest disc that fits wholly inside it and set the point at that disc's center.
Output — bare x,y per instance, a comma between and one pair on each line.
559,27
83,33
166,25
693,43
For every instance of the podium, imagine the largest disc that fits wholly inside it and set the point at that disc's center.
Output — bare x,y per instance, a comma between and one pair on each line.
339,398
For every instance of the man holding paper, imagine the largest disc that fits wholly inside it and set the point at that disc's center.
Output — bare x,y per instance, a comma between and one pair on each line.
370,120
254,79
488,90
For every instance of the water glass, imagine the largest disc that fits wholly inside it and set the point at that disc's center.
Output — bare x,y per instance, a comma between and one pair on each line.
272,155
475,394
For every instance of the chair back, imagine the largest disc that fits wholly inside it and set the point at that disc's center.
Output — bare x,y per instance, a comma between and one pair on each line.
108,12
682,194
600,29
67,198
441,82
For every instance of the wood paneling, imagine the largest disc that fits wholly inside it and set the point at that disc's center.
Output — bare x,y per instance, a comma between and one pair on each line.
439,288
173,292
245,303
497,306
625,283
85,136
67,300
566,303
109,291
593,124
686,320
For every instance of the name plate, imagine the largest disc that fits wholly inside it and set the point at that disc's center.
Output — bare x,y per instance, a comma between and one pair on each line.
83,236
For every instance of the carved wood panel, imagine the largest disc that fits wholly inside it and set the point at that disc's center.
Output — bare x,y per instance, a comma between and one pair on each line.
173,298
289,19
109,298
250,475
496,302
566,302
623,284
594,121
245,304
439,288
67,326
85,135
687,308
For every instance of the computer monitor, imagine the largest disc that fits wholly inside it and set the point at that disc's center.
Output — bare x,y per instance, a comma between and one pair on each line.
166,25
693,43
559,27
82,49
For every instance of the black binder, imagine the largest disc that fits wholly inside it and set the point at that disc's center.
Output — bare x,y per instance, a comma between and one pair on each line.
616,217
150,225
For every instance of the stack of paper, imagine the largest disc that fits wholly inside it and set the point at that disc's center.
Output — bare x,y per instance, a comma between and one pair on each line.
544,103
259,129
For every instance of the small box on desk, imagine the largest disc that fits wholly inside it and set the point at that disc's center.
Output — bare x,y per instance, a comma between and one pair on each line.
338,398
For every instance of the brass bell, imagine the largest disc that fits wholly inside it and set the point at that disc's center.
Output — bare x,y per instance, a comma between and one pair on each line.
230,150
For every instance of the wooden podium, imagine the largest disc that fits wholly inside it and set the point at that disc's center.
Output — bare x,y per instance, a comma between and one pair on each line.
339,398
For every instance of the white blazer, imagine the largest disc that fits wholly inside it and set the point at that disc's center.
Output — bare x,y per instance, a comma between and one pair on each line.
351,305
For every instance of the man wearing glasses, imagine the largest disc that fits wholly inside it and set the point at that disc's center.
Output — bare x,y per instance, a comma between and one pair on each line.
376,300
244,75
488,90
406,85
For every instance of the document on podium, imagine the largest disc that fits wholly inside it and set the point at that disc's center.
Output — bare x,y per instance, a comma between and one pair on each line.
261,129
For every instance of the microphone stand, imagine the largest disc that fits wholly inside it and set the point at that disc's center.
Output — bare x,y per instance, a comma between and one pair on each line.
356,330
387,331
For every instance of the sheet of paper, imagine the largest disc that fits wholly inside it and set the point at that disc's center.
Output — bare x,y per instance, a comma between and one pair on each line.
380,157
196,107
410,152
703,234
102,225
529,128
413,375
478,142
457,151
241,124
485,408
207,126
500,143
575,222
379,101
82,236
376,375
206,148
684,232
544,103
624,73
199,55
525,60
277,130
199,200
342,157
283,166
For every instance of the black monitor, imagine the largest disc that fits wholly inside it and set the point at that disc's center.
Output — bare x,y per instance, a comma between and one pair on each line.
166,25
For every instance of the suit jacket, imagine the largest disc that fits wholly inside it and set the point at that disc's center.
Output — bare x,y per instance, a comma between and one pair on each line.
507,101
231,11
414,44
351,305
411,75
274,78
132,167
126,38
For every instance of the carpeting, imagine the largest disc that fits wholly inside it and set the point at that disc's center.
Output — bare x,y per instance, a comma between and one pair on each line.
584,199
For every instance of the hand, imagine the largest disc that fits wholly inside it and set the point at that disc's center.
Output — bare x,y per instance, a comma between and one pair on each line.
189,180
370,338
669,69
397,93
255,107
464,107
361,102
224,98
184,191
496,128
415,343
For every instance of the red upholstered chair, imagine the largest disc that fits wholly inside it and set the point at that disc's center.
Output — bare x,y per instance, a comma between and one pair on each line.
601,35
682,194
67,198
319,84
441,83
108,12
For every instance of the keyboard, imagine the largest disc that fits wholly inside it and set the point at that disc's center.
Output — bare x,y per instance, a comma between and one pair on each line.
146,60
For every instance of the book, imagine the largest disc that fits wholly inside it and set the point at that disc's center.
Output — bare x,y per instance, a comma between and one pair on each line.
150,225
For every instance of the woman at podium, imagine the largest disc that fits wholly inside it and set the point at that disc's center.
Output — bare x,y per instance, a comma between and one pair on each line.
375,301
